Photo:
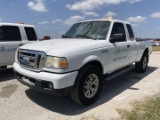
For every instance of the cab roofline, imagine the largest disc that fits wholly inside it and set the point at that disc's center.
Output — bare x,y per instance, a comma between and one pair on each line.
15,24
111,20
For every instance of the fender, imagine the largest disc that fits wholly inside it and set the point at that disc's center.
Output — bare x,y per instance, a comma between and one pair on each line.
92,58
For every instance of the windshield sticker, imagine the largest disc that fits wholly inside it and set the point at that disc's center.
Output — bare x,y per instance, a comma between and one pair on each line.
3,49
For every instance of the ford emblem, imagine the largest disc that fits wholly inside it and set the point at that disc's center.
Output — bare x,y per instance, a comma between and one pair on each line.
26,60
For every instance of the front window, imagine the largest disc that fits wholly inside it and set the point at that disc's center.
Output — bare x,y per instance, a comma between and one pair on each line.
10,33
91,30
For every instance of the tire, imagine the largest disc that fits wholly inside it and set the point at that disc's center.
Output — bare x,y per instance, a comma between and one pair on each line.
143,64
87,87
3,67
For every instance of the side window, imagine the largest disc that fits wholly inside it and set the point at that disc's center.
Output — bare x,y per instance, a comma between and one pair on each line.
130,31
31,35
10,33
118,28
1,34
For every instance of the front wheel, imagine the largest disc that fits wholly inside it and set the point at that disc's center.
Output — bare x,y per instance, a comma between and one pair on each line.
143,64
3,67
87,86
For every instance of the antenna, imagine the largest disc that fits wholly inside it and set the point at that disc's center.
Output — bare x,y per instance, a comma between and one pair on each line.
57,18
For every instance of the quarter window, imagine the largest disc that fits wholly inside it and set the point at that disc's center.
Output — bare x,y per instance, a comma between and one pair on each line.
130,31
31,35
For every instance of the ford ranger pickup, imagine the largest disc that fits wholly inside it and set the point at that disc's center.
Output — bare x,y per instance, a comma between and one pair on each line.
77,63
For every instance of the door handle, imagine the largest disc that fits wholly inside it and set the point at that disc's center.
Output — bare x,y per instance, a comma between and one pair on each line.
103,51
128,46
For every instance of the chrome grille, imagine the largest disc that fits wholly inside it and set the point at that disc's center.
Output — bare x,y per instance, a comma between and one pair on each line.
31,59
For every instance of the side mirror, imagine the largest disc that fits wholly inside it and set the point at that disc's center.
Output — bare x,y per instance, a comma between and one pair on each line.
118,38
64,36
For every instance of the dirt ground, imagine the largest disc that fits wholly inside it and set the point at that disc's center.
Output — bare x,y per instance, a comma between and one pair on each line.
18,102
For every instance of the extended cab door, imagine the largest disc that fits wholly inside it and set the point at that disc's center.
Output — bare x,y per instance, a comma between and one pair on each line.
10,40
132,43
119,47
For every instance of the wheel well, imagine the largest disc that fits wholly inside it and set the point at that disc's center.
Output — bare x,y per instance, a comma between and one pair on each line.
95,63
146,51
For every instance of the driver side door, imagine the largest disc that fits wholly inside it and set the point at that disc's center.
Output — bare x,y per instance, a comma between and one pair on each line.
119,49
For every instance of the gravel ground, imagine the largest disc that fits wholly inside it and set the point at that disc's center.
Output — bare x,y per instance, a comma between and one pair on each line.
18,102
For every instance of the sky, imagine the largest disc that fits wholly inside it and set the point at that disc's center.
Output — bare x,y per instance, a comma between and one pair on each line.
54,17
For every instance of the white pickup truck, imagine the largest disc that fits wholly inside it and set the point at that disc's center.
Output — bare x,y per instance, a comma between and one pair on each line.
76,64
12,36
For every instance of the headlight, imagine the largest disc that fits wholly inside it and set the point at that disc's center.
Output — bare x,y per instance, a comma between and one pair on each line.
16,56
55,62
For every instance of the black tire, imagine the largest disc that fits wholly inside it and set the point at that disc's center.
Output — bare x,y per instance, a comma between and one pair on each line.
3,67
87,76
142,65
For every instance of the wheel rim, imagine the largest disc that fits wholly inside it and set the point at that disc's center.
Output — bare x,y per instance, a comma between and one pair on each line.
91,85
144,63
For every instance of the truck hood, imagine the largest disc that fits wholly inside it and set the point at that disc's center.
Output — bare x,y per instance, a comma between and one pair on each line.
57,46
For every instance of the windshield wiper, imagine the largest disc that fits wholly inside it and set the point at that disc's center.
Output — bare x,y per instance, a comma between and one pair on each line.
85,36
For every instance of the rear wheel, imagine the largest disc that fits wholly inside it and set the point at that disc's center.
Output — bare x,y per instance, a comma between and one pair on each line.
143,64
87,86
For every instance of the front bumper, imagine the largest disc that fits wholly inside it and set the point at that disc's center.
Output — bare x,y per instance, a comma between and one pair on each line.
52,83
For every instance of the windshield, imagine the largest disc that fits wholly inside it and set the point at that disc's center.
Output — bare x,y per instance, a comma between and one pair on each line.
91,30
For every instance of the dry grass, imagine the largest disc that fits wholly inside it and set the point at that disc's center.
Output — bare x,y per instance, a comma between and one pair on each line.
156,48
147,110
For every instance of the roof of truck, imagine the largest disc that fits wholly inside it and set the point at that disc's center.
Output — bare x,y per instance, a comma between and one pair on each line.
106,19
15,24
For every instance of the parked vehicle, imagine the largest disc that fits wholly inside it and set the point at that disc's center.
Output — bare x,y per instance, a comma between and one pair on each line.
46,38
90,52
13,36
156,42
